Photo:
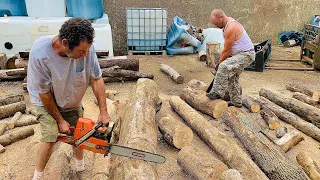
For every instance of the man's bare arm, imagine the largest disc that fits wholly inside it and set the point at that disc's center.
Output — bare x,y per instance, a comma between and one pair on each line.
229,38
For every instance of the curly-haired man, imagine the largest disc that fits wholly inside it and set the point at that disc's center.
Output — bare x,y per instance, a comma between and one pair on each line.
60,70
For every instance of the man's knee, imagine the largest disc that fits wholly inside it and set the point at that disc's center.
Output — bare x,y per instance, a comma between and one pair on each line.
48,126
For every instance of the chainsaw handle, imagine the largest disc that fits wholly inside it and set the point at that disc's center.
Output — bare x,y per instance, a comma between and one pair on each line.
99,125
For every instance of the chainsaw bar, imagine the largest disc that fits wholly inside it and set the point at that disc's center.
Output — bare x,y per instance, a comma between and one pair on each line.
136,154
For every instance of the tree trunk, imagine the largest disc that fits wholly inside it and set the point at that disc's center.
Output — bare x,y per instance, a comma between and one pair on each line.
302,89
289,140
309,166
304,98
4,76
26,121
3,61
267,156
306,111
11,109
291,118
230,174
270,118
213,54
3,128
10,98
249,102
127,64
198,100
200,163
175,132
197,85
16,135
139,131
20,63
14,119
16,72
172,73
223,145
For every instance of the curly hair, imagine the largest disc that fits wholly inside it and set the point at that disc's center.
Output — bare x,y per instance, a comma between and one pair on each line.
76,30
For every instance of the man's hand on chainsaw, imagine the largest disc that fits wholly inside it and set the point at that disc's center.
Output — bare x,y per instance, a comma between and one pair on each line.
64,127
104,118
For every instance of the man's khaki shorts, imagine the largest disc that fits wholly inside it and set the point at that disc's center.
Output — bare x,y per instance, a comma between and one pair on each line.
48,125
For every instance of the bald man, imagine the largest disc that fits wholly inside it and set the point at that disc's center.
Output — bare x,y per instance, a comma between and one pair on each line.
238,53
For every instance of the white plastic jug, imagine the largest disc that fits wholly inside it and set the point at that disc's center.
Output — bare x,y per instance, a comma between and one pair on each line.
103,38
46,8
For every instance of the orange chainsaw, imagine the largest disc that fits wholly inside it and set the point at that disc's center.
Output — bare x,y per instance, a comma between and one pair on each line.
96,138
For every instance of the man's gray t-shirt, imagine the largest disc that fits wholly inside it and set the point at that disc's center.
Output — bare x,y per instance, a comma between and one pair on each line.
65,77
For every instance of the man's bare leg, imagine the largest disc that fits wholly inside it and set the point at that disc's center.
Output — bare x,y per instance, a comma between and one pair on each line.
79,158
43,152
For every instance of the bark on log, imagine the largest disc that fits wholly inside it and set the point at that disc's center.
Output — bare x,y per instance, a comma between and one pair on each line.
175,132
139,131
21,63
213,54
198,100
10,98
172,73
4,76
200,163
114,74
306,111
223,145
16,72
302,89
2,149
289,140
267,156
11,109
14,119
230,174
127,64
271,119
290,43
281,131
249,103
102,53
304,98
197,85
309,166
16,135
3,61
3,128
26,121
291,118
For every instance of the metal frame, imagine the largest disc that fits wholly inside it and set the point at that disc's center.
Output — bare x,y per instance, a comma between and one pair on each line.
310,50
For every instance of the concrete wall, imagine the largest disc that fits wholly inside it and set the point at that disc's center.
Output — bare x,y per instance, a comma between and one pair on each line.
263,19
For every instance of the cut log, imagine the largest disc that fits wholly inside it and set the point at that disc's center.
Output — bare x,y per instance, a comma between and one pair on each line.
127,64
304,98
267,155
198,100
306,111
16,135
229,151
302,89
2,149
197,85
24,54
309,166
290,43
202,56
230,174
172,73
200,163
11,109
3,61
4,76
291,118
3,128
15,72
14,119
249,102
139,131
281,131
26,121
213,54
271,119
10,98
21,63
102,53
289,140
175,132
11,60
125,75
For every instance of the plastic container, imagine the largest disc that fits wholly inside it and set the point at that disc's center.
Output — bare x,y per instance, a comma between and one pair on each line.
103,20
87,9
13,8
46,8
16,37
146,29
103,38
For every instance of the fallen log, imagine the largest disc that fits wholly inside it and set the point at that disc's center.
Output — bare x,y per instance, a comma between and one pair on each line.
213,54
21,63
102,53
267,156
14,119
306,111
197,85
249,103
114,74
290,43
229,151
15,72
11,109
10,98
3,128
2,149
127,64
291,118
175,132
230,174
139,131
25,54
26,121
4,76
16,135
281,131
304,98
198,100
302,89
200,163
270,118
289,140
309,166
172,73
